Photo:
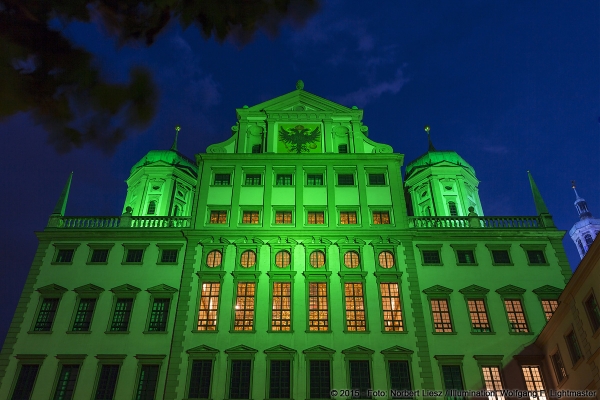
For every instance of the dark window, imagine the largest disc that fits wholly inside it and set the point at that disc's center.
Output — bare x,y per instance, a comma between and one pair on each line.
431,257
64,255
588,239
200,379
159,315
239,386
316,217
377,179
399,377
343,148
283,217
168,256
176,210
257,148
559,367
536,257
151,208
345,179
593,311
279,385
83,316
46,315
218,217
452,208
580,245
381,217
452,379
465,256
99,256
250,217
107,382
320,385
146,388
348,217
253,179
66,382
222,179
134,255
283,180
25,381
314,180
360,378
120,321
573,346
501,256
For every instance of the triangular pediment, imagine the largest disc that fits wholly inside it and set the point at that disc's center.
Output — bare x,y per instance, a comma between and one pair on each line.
397,350
547,289
474,289
510,289
52,288
126,288
437,289
89,288
319,349
242,348
162,288
279,349
202,349
358,349
298,101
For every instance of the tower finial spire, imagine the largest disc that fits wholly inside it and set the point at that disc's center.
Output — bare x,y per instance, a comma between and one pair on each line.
61,204
431,148
581,204
174,146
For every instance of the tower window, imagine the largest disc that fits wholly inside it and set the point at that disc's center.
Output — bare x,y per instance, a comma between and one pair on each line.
427,211
479,317
253,179
248,259
314,180
121,315
581,248
588,239
257,148
348,217
377,179
593,311
83,317
516,315
159,315
573,346
46,315
317,259
318,318
283,217
501,256
214,259
176,210
390,303
200,379
244,307
441,315
209,304
536,257
281,317
351,259
381,217
146,388
465,256
355,307
222,179
345,179
452,208
283,180
549,307
343,148
283,259
151,208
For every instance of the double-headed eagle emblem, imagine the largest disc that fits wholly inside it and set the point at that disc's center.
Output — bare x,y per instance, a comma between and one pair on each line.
299,139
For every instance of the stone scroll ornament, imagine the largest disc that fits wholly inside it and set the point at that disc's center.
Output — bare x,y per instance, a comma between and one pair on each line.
299,138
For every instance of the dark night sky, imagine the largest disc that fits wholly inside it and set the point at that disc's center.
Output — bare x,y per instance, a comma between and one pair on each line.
511,86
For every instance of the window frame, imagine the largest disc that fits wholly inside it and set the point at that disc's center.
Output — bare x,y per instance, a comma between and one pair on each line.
511,292
394,354
535,247
592,319
239,353
161,291
465,247
148,359
244,277
125,291
541,373
169,246
376,173
252,177
252,211
500,247
547,293
430,247
318,278
27,359
63,360
488,361
358,353
51,291
564,376
451,361
372,212
350,280
315,174
279,353
574,348
318,353
438,292
345,174
315,209
108,359
86,292
475,293
64,246
283,209
221,174
201,353
99,246
134,246
348,210
283,175
218,209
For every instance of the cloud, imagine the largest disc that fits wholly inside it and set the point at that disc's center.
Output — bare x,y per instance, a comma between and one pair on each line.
373,91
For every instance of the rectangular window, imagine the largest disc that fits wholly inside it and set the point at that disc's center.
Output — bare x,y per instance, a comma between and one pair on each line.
559,367
64,255
381,217
159,315
46,315
146,388
377,179
516,315
218,217
279,385
452,379
390,303
343,148
200,379
134,255
244,306
283,180
250,217
360,378
320,384
573,346
593,312
441,315
209,304
399,377
281,317
550,307
168,256
99,256
348,217
501,256
25,381
465,256
107,382
345,179
83,316
314,180
257,148
431,257
283,217
121,316
66,382
355,307
316,217
493,383
239,385
222,179
533,381
479,317
253,179
536,257
318,318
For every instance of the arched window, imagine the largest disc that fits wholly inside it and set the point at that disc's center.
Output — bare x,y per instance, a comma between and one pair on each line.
452,208
214,258
351,259
588,239
283,259
580,245
317,259
176,210
248,259
151,208
386,259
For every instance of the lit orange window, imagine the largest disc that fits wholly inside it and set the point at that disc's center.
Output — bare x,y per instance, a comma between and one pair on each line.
479,317
316,217
218,217
493,383
318,318
250,217
348,217
248,259
381,217
209,303
214,258
390,302
355,307
516,315
244,307
550,307
351,259
283,259
317,259
534,382
441,315
281,317
283,217
386,259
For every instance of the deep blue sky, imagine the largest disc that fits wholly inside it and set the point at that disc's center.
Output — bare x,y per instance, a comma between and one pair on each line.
511,86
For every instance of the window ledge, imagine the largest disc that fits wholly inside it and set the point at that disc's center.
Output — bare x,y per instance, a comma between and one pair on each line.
432,265
539,265
40,332
61,263
234,331
116,332
578,363
290,331
309,331
467,265
155,332
97,263
132,263
356,332
403,332
167,263
444,333
78,332
503,264
521,333
483,333
199,331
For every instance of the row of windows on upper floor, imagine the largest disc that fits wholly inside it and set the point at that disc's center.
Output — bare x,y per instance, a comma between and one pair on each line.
257,149
312,179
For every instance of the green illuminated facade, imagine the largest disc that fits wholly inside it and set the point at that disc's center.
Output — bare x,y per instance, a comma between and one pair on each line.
288,261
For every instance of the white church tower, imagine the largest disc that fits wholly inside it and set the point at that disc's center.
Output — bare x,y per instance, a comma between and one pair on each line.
587,228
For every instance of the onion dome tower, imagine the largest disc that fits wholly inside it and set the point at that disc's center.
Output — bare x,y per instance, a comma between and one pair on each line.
162,183
441,183
587,228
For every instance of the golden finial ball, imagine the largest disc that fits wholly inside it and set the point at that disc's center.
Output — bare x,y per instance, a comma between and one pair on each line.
427,128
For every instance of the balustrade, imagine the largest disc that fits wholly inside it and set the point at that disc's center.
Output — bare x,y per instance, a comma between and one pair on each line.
118,222
476,222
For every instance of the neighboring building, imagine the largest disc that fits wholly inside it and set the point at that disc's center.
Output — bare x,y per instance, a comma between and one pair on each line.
283,263
586,229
